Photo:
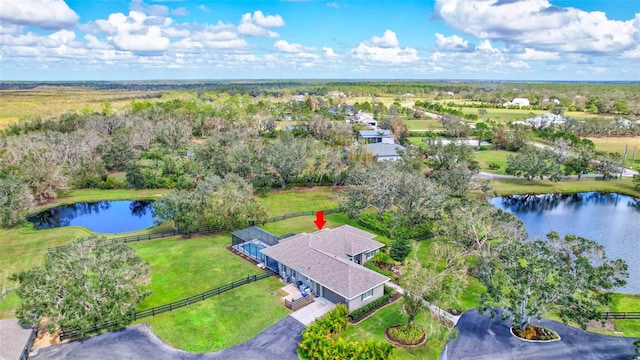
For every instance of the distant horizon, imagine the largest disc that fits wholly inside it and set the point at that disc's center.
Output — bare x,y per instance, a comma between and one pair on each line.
318,80
479,40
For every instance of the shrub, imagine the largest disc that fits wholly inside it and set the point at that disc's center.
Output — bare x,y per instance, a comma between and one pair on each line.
321,340
493,165
408,334
358,313
400,249
388,227
388,273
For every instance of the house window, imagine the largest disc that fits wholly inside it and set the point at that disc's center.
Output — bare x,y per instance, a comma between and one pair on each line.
368,255
366,295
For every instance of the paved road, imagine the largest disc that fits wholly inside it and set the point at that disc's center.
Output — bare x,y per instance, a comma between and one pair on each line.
139,342
482,338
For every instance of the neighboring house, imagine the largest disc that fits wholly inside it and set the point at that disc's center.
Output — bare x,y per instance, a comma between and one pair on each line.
363,118
377,136
384,151
518,102
328,262
543,121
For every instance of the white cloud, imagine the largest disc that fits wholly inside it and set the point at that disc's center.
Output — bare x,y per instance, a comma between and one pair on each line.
519,64
334,5
94,43
539,25
385,49
388,40
45,14
268,21
453,43
257,25
531,54
328,52
131,33
219,37
282,45
204,8
154,10
181,11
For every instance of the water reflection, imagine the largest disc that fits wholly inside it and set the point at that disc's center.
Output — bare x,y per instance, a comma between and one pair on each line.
612,220
104,216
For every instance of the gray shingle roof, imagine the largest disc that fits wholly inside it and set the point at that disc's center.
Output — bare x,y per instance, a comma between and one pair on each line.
376,133
384,150
322,256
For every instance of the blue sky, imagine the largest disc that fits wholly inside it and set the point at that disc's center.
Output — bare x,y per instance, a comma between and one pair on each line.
235,39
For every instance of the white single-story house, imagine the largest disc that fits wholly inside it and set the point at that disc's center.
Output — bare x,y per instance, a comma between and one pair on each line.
384,151
376,136
363,118
518,102
328,263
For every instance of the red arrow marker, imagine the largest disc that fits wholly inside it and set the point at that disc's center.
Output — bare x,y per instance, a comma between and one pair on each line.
320,221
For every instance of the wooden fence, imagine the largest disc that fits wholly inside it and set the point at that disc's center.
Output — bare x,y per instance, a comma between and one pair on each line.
72,333
633,315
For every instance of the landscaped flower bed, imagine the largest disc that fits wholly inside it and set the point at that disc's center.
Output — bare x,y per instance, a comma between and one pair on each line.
405,335
535,333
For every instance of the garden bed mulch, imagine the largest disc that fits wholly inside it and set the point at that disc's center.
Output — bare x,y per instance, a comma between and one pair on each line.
364,316
535,333
397,342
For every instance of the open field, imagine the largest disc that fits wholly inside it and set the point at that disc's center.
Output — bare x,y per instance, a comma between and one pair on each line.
299,199
484,157
522,186
617,145
423,124
49,101
184,267
224,320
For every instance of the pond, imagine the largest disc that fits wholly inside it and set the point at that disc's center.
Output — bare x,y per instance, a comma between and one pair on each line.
107,217
612,220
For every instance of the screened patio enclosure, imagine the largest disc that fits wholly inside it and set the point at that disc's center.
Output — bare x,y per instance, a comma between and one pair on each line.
251,240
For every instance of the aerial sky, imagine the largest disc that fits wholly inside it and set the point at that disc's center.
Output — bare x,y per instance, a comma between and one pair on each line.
310,39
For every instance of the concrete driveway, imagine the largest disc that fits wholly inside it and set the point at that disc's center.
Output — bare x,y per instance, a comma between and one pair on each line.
480,337
279,341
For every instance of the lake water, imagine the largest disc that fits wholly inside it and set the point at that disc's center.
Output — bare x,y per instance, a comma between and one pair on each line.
612,220
107,217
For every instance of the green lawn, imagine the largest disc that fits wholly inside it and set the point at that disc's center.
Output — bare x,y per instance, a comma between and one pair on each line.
95,195
224,320
299,199
484,157
184,267
522,186
423,124
618,145
624,303
373,327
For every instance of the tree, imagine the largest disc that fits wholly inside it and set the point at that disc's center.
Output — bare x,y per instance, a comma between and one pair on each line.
453,166
609,165
415,284
482,131
577,165
454,126
620,107
16,201
230,203
532,162
286,158
570,275
182,207
400,249
474,225
374,186
95,280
